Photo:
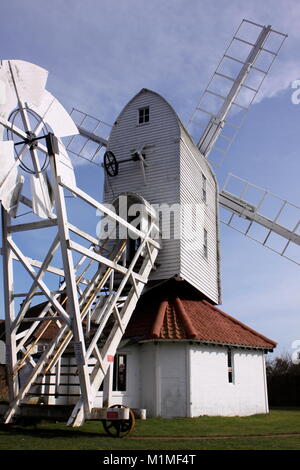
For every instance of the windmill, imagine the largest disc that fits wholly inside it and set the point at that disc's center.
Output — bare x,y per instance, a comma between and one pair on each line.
214,125
105,283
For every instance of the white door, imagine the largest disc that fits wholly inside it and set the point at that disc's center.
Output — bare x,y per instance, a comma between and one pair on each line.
173,384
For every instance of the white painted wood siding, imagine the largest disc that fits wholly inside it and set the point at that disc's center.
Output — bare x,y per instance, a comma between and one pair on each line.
160,136
174,176
201,271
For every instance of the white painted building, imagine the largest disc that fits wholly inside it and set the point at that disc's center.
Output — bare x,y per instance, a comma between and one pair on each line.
187,358
198,385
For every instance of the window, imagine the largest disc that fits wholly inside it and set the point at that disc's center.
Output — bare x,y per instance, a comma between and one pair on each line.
119,374
230,365
205,247
120,370
144,115
203,188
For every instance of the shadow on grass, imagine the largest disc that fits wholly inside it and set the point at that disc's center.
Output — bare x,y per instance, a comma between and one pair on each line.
41,432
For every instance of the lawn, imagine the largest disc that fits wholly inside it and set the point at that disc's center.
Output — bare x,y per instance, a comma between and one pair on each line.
156,434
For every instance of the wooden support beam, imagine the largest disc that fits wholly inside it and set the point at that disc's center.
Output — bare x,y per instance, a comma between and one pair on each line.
40,283
32,225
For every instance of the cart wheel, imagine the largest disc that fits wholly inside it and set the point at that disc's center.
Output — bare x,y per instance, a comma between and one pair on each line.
119,427
110,164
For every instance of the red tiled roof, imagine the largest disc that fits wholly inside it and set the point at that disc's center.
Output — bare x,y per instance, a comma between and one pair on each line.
174,318
175,311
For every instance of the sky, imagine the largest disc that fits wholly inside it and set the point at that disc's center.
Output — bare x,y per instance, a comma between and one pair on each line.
99,53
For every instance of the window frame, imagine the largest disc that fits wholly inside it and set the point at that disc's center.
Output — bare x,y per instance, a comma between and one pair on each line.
116,373
143,116
230,366
115,388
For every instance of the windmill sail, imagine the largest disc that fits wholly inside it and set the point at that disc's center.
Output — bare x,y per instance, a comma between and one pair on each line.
92,138
262,216
8,174
233,87
41,195
27,111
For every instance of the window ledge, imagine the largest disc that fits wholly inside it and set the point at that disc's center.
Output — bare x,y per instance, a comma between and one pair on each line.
142,124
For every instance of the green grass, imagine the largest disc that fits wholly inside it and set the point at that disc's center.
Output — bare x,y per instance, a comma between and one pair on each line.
91,436
278,421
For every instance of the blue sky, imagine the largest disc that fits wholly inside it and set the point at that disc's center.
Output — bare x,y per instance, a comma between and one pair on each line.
99,53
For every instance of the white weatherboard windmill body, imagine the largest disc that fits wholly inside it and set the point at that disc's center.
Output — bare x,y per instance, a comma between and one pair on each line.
151,159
